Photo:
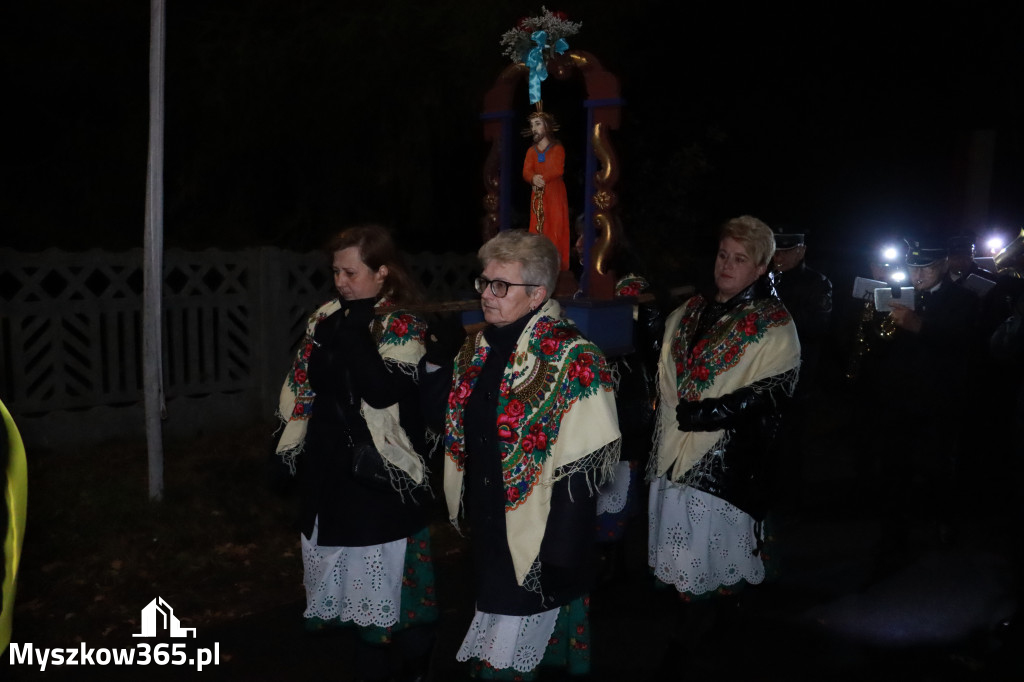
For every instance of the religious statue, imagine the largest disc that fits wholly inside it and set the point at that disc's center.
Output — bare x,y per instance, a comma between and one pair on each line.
543,169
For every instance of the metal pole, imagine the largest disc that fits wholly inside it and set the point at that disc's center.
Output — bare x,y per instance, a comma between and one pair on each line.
153,261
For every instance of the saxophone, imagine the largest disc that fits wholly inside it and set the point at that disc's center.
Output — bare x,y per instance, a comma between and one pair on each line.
866,330
861,347
887,327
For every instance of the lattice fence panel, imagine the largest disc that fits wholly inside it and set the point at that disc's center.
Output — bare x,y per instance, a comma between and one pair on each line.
211,343
309,284
71,323
446,276
37,369
69,329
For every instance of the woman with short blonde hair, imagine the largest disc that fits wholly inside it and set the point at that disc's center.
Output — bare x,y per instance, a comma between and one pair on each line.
728,359
754,234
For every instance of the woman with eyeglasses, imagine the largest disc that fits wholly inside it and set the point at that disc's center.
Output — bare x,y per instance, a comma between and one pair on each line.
528,420
354,430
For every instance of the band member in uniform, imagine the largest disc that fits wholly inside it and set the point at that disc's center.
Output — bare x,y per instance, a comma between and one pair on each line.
923,370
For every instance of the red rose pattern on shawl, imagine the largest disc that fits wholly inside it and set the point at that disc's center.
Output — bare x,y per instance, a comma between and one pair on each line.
724,345
395,329
402,329
631,285
528,425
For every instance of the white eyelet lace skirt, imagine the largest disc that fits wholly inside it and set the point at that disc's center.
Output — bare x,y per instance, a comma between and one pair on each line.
358,584
612,496
698,542
516,642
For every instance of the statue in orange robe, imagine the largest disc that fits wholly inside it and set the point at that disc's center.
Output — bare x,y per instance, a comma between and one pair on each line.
543,169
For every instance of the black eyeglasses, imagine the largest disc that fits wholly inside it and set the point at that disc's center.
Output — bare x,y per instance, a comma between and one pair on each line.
499,287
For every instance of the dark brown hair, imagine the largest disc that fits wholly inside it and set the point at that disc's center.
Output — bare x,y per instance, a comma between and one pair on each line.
377,248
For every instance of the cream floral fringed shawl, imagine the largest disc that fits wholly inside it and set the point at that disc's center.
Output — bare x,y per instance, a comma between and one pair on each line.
754,342
555,416
399,338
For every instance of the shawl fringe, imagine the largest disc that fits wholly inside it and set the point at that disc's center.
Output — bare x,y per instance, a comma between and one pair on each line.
597,467
786,381
403,484
398,337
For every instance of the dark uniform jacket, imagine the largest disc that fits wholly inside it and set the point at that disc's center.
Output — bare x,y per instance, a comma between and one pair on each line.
924,372
807,295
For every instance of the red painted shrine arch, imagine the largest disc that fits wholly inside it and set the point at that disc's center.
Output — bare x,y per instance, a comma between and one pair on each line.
604,110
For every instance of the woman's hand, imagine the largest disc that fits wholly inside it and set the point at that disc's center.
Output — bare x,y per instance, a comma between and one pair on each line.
443,339
724,412
685,412
328,328
538,181
357,314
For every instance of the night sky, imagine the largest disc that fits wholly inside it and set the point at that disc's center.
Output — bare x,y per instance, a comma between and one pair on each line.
287,120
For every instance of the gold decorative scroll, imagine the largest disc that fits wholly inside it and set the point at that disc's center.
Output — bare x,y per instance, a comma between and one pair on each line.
604,200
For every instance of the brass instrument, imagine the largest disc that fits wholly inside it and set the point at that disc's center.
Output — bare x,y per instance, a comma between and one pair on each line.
861,347
1008,261
887,327
867,329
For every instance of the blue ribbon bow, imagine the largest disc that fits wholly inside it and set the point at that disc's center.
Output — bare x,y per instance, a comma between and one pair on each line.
537,63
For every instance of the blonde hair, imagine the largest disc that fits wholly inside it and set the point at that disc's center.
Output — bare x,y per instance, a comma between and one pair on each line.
537,255
755,236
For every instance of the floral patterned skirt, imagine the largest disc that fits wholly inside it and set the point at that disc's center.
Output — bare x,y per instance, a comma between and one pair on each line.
381,589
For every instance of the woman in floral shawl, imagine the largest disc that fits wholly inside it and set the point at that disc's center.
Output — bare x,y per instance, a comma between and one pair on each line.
354,431
529,427
727,363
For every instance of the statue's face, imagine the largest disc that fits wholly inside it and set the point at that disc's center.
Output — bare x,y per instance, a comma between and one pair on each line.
539,128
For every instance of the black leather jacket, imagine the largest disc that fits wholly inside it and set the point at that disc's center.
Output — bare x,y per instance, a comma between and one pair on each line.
739,471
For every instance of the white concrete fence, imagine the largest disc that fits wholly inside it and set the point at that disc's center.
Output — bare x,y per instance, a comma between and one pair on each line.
71,335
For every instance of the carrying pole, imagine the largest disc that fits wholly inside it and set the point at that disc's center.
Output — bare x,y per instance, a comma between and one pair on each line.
153,261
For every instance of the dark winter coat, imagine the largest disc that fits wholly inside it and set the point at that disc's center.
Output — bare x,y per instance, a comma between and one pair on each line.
343,369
